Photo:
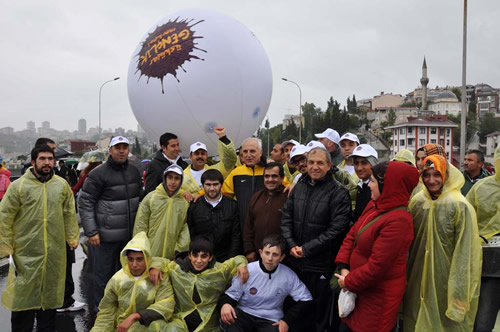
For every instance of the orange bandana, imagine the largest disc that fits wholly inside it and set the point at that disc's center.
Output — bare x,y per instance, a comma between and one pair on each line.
438,163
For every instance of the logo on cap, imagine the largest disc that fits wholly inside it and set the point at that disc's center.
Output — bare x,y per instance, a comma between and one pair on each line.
359,148
293,149
346,135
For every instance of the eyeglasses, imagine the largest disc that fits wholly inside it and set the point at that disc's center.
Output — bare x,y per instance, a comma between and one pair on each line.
296,161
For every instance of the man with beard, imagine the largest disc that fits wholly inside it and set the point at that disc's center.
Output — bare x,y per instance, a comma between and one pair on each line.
264,212
37,218
216,217
278,154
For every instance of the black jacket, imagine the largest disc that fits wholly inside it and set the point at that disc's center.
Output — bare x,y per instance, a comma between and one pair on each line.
109,200
316,217
220,223
155,168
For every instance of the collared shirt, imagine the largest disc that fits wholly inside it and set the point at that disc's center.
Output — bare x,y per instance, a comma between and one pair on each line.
213,203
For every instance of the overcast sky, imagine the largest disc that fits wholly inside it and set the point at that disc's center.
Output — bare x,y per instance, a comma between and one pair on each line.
56,54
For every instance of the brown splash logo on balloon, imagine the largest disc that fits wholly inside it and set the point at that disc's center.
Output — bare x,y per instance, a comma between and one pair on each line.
166,49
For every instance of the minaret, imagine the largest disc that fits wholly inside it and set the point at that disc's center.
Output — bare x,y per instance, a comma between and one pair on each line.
424,80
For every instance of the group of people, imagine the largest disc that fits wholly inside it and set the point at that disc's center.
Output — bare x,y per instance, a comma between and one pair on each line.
249,244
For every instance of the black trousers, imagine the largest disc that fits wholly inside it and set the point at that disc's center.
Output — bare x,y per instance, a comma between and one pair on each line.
22,321
318,284
248,323
69,285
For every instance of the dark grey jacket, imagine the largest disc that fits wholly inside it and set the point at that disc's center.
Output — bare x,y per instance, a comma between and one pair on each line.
109,200
316,217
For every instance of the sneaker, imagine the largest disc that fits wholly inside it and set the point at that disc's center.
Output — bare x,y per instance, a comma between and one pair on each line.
77,305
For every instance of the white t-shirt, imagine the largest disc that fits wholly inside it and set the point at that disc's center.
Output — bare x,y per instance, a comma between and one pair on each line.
263,294
197,175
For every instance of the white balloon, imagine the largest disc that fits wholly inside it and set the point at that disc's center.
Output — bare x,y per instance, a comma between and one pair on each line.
197,69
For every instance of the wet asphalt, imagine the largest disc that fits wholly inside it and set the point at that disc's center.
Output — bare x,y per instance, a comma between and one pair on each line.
80,321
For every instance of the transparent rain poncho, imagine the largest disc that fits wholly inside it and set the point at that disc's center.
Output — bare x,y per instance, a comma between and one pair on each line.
125,295
444,264
485,198
36,221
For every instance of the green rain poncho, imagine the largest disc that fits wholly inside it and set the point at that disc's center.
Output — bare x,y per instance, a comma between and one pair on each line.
125,295
485,198
405,156
163,218
444,264
36,219
210,284
228,157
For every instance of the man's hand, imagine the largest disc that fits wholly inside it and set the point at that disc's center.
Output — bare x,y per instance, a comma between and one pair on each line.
227,314
188,196
243,273
155,276
127,322
95,240
252,257
297,252
220,131
289,189
282,326
73,247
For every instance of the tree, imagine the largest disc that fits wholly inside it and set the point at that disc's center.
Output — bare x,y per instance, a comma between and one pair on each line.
457,92
488,124
391,120
471,126
136,149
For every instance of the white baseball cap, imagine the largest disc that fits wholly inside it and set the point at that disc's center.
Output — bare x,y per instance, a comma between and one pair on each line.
292,141
173,168
314,144
298,150
196,146
349,137
117,140
331,134
364,150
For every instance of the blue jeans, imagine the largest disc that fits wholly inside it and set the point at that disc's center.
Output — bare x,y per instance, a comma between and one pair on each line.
106,261
489,304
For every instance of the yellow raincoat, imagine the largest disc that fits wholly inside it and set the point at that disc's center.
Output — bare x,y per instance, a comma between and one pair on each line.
36,219
210,284
125,295
226,164
485,198
444,264
405,156
288,175
163,218
349,182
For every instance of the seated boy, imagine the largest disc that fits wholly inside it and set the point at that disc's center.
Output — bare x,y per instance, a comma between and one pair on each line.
131,301
259,302
198,281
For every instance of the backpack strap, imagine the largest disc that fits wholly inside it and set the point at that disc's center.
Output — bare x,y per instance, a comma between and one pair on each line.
374,220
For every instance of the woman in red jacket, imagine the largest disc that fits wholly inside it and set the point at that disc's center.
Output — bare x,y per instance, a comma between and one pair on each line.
373,255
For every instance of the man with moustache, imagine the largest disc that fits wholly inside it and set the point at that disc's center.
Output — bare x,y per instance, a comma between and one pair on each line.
216,217
264,212
198,154
38,218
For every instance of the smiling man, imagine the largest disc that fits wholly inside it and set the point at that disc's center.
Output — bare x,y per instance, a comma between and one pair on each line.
198,154
108,204
314,223
216,216
264,212
258,304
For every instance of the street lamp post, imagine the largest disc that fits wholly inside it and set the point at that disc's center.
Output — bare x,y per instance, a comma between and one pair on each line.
300,108
463,128
100,89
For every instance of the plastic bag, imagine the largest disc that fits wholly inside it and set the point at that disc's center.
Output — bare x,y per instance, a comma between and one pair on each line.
347,301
